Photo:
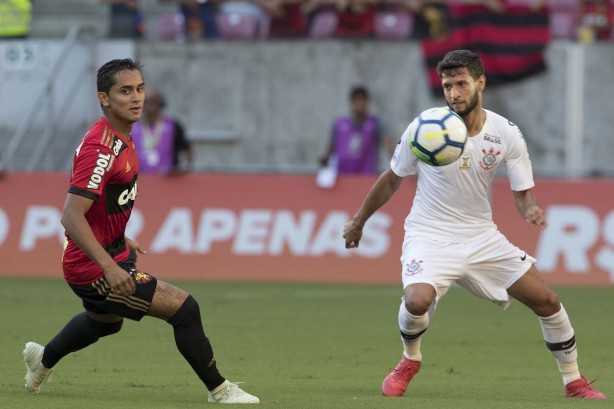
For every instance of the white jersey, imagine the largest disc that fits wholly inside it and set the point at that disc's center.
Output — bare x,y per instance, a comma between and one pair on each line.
451,202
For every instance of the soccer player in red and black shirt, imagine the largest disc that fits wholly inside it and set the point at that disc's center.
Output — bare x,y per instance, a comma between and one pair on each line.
99,260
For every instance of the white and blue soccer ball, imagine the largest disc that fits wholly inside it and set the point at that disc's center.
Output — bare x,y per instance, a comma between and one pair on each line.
438,136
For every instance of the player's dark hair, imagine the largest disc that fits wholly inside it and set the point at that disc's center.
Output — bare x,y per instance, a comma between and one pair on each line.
454,60
106,74
359,91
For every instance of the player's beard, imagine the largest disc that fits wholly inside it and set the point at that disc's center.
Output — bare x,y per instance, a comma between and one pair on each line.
470,106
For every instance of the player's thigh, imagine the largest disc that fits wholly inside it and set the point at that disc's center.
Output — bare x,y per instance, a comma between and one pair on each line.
429,268
105,306
494,265
166,301
532,291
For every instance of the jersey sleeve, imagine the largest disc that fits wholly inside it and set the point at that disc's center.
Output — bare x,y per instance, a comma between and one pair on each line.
404,162
92,166
518,162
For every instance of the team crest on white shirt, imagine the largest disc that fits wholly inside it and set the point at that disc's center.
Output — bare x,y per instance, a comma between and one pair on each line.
489,160
413,267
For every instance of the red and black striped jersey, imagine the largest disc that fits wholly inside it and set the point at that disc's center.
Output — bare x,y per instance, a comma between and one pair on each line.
105,169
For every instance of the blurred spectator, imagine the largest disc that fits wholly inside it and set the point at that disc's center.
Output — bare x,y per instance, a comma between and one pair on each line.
430,17
276,18
250,7
596,19
356,138
287,18
15,17
199,18
356,18
160,140
248,13
310,6
126,19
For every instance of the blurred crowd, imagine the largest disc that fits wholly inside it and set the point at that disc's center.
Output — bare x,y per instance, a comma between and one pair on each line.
584,20
194,20
252,19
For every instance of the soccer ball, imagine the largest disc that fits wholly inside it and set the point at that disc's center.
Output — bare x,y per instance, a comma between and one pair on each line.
438,136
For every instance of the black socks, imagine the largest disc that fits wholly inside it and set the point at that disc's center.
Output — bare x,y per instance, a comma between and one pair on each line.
80,332
194,344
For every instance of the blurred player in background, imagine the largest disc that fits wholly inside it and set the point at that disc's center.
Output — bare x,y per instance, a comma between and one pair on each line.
160,140
450,235
356,138
99,260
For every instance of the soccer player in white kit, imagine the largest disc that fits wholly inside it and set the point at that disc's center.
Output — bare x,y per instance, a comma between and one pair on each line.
450,236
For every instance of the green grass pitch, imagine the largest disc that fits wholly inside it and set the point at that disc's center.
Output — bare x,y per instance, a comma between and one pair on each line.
308,346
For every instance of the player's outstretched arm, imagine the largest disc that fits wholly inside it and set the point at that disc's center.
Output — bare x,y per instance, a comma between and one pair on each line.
526,203
79,230
381,191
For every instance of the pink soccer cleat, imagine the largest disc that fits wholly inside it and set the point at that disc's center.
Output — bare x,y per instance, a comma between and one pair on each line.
397,380
581,388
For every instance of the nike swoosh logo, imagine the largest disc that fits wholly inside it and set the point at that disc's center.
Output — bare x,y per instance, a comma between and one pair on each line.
523,258
434,135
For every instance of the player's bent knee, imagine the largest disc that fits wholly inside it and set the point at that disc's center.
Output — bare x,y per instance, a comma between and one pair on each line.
418,298
417,305
553,301
189,311
550,306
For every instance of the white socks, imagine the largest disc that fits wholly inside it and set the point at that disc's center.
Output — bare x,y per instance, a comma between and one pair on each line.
557,330
561,343
412,327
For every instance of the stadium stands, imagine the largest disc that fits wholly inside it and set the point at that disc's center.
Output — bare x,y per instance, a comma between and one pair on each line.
169,27
52,19
564,15
393,25
233,77
323,25
239,26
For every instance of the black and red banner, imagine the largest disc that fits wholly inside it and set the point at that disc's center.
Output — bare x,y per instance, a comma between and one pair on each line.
511,43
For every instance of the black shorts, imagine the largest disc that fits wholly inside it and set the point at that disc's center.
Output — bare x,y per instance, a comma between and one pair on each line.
98,298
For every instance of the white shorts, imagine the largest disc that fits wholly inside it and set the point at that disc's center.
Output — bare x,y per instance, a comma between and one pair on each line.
486,267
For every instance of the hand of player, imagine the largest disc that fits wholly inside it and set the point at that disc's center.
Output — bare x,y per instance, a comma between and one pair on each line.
535,215
120,281
352,233
134,245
